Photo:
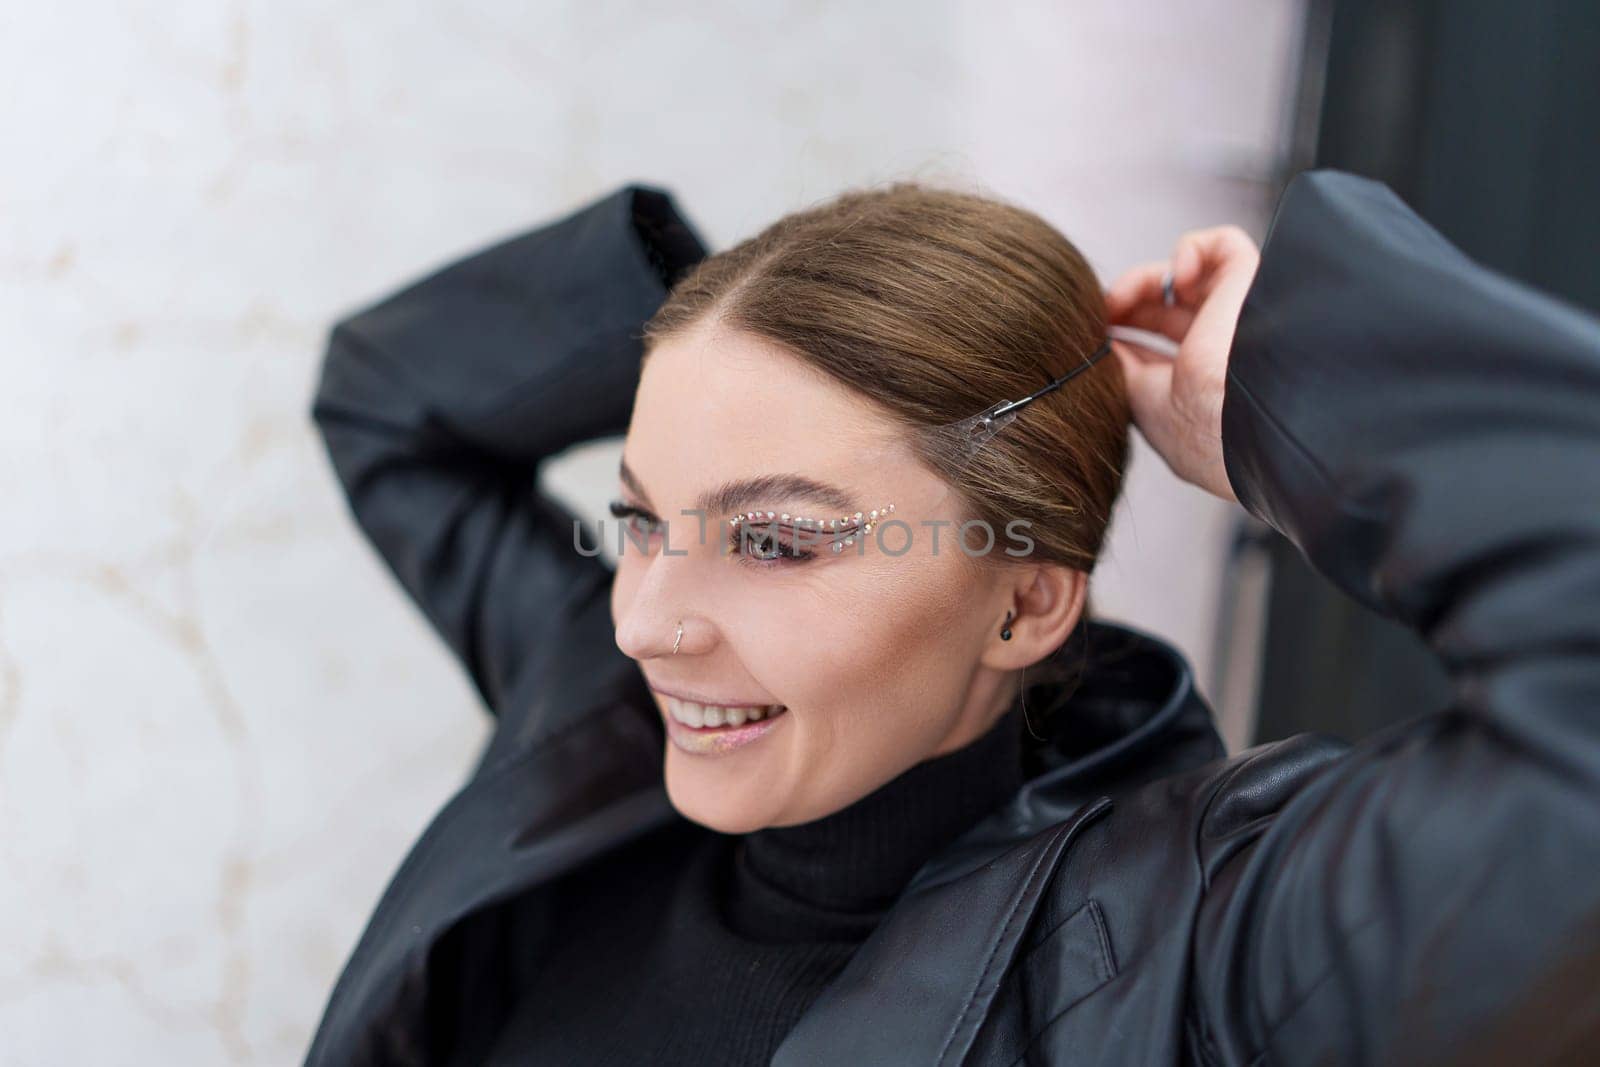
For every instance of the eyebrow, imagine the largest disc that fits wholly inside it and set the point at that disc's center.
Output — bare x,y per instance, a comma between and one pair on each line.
735,495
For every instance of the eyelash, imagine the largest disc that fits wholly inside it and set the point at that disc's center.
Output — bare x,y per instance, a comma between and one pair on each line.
628,513
786,554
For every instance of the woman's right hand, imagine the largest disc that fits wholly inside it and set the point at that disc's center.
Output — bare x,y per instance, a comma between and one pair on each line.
1177,402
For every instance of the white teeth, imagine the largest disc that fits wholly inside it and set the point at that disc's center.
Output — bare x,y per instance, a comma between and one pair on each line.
706,716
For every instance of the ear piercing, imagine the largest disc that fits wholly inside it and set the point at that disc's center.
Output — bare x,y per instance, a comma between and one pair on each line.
843,530
1005,629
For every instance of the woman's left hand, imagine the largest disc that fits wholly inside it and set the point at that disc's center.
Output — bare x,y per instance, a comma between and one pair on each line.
1177,402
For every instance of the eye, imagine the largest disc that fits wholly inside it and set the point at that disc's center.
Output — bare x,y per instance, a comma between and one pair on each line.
637,519
760,546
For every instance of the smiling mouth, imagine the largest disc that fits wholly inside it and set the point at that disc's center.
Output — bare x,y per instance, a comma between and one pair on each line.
717,717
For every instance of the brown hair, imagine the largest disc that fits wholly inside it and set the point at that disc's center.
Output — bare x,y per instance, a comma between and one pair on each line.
937,304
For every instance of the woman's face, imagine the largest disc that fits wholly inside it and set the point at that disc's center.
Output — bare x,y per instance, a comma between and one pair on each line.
877,658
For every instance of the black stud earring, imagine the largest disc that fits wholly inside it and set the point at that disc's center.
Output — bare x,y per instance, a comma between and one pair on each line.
1005,630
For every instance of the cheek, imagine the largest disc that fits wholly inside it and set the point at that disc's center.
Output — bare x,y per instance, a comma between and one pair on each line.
884,676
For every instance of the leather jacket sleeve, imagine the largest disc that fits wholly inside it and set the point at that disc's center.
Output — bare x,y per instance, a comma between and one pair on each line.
437,403
1427,433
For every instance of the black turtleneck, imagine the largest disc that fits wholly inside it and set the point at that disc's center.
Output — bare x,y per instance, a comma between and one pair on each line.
694,947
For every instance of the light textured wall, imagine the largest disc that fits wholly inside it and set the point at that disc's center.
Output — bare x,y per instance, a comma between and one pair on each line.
221,725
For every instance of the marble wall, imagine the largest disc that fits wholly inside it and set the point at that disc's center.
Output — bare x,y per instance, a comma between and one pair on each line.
221,725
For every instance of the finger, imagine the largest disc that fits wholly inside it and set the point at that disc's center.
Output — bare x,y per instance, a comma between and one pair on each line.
1135,286
1218,317
1188,269
1172,323
1203,257
1138,299
1127,348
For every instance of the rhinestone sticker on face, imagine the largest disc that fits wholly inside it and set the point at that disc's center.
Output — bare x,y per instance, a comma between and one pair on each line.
837,532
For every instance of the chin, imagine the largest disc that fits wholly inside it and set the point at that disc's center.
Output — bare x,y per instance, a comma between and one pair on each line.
700,799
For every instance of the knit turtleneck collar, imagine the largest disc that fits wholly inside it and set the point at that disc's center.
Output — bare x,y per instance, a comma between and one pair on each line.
833,877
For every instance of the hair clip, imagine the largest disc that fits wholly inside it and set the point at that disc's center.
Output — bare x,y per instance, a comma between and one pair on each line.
968,435
842,530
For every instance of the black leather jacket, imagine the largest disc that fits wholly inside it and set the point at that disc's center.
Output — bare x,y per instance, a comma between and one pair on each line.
1425,431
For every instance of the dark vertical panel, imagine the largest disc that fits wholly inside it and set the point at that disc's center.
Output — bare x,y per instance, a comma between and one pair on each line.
1485,117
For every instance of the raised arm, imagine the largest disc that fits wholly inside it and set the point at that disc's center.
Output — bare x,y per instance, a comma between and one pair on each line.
437,403
1427,432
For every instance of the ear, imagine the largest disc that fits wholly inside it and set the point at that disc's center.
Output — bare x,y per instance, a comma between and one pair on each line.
1046,604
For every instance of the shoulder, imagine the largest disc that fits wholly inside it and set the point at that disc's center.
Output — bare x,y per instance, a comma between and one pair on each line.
1257,782
1197,819
1120,909
1151,857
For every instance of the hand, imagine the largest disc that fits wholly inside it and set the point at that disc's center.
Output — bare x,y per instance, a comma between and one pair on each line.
1177,402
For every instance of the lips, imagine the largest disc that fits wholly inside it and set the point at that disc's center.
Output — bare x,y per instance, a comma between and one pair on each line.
718,729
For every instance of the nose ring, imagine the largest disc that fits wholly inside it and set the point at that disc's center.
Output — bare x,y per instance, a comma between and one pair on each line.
678,639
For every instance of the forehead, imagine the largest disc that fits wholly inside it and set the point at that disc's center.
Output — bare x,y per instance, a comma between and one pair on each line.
716,402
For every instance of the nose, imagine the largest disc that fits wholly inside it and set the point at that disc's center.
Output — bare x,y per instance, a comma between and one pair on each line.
660,636
648,616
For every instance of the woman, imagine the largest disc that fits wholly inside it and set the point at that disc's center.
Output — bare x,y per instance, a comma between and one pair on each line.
888,805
